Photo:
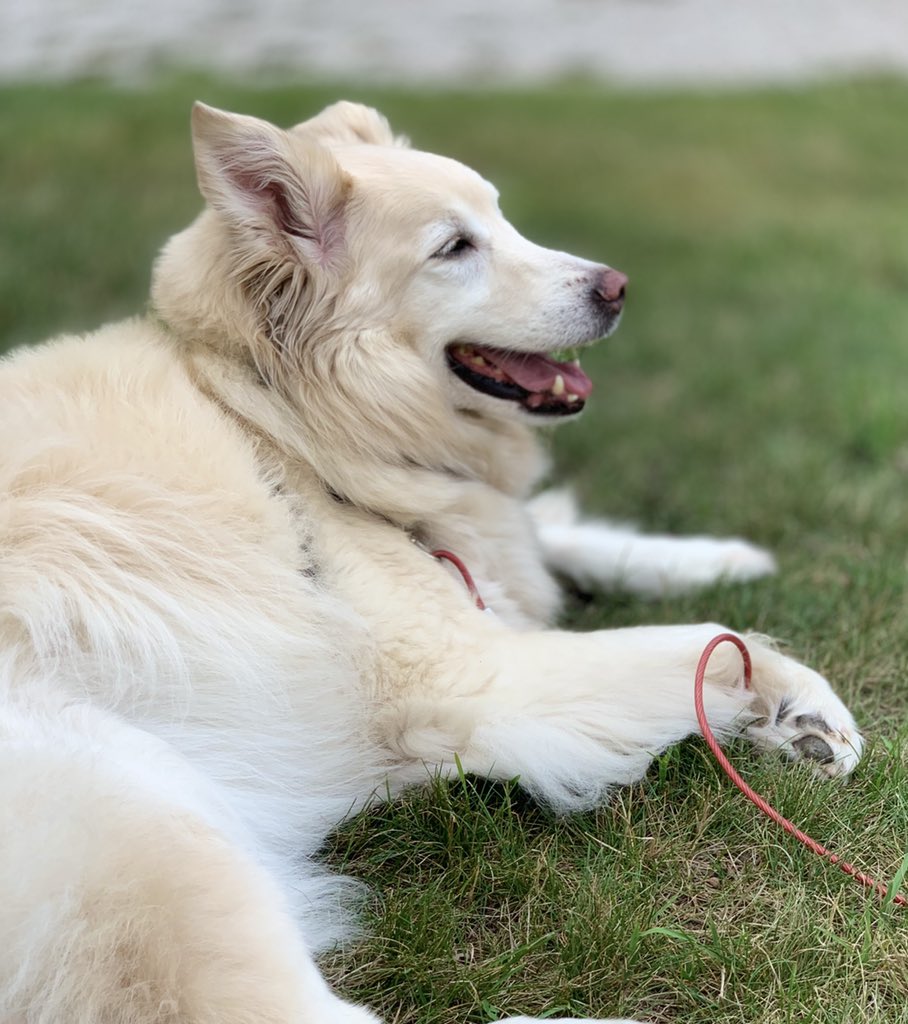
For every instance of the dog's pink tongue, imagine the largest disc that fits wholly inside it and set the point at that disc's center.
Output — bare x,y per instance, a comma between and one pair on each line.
538,373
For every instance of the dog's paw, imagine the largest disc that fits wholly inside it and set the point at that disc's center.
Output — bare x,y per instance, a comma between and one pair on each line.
706,561
809,722
604,556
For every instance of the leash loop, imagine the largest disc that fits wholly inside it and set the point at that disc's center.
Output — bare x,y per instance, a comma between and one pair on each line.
758,801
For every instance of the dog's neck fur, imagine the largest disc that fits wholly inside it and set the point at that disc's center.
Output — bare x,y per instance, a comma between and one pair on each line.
406,454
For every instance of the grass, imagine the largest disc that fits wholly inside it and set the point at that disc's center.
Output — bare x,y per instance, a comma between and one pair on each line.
758,387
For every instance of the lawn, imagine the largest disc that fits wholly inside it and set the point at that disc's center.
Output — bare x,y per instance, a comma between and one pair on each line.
759,386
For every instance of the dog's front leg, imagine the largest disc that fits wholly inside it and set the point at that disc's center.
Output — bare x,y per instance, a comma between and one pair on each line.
598,555
574,714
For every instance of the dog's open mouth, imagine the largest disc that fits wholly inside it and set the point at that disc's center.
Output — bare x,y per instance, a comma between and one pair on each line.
542,384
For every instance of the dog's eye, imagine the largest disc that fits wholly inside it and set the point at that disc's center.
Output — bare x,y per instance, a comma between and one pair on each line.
455,246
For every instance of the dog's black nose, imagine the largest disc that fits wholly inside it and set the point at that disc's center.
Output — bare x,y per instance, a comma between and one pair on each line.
609,289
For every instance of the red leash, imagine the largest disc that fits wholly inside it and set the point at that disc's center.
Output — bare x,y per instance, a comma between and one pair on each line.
448,556
753,796
713,743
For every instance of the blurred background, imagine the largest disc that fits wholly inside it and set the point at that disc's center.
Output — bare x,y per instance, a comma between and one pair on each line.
470,41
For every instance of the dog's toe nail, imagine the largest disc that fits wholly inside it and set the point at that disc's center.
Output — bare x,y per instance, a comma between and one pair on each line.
814,748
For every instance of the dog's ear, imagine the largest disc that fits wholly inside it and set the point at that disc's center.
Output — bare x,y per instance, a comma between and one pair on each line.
264,180
347,122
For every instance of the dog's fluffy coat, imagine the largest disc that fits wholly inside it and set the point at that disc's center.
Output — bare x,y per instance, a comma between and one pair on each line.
217,635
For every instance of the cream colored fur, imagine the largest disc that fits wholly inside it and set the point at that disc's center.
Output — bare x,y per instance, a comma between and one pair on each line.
221,631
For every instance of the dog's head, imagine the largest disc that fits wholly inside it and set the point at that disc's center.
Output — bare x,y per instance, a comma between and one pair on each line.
363,270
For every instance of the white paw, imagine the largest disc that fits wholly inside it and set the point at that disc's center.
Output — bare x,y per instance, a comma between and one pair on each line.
809,722
703,561
600,555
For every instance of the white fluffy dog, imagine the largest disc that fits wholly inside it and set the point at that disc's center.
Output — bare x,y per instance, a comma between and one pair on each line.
221,625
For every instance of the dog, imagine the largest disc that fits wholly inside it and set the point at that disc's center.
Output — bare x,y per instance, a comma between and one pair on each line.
222,626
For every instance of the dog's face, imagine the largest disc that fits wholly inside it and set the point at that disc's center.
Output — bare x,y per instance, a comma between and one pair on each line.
408,252
483,306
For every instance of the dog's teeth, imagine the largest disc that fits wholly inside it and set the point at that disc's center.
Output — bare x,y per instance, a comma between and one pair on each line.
572,399
462,350
479,361
558,386
575,362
